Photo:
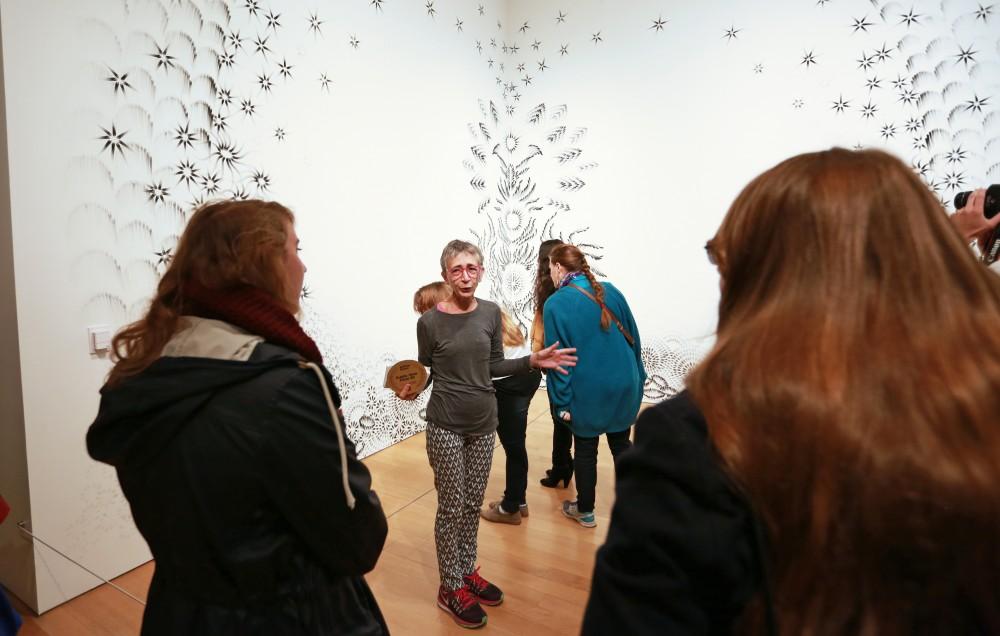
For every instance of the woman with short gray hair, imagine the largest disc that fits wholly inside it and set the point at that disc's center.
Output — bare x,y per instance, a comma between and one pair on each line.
461,340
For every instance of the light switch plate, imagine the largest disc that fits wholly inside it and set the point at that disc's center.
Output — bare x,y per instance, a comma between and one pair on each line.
99,337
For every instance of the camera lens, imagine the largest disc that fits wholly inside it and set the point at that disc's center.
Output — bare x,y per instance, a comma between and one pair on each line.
991,206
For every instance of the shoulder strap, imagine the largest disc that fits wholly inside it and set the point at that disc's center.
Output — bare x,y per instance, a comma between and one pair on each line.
621,327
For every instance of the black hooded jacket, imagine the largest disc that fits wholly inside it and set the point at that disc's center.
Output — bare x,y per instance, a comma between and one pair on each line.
232,471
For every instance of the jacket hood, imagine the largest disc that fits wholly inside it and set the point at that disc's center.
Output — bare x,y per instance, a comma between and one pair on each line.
140,416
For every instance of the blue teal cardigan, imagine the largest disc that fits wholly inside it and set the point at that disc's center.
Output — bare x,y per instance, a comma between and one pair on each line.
604,390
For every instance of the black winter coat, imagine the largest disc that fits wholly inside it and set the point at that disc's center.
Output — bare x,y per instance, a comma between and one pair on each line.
680,555
232,471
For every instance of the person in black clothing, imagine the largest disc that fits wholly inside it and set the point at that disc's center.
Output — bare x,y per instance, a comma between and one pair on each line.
834,466
562,435
225,432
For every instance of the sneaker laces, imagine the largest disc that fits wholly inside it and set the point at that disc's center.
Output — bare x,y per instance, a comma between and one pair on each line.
476,582
461,600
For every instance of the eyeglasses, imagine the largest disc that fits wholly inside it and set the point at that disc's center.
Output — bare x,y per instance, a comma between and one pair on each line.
472,271
712,252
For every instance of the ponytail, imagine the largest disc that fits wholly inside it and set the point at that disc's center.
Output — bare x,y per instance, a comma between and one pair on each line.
570,257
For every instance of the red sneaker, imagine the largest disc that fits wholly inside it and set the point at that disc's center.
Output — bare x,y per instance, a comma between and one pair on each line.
486,592
462,606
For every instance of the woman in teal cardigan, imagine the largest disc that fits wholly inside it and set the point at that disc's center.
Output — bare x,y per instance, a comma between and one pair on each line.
601,395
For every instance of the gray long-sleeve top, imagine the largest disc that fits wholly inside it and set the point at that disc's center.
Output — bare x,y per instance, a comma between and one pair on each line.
464,352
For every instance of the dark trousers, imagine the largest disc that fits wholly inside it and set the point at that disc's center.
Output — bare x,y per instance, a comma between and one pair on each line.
586,464
562,444
514,395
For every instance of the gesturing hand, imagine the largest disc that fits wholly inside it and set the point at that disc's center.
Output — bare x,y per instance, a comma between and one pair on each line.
407,392
552,358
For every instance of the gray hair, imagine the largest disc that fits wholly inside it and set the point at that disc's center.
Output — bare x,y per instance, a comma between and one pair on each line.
456,247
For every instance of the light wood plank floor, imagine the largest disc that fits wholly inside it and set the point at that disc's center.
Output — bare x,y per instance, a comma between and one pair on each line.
544,565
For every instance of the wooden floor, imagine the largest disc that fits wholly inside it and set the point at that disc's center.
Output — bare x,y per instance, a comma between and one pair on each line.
543,565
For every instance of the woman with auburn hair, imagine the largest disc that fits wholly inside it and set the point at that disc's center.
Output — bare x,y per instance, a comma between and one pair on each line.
224,430
834,466
602,394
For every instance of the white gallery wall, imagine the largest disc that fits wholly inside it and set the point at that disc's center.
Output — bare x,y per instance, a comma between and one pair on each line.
393,126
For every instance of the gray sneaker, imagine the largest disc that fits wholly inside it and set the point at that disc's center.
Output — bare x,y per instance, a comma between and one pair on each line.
585,519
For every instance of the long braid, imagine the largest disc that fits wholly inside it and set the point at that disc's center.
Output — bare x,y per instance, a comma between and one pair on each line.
598,294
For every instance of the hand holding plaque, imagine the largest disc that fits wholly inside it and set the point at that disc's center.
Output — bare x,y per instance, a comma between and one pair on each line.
406,372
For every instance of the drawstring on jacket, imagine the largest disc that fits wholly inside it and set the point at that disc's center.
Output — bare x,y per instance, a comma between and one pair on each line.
337,424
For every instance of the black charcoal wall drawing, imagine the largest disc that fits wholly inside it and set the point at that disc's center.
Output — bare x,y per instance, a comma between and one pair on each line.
183,93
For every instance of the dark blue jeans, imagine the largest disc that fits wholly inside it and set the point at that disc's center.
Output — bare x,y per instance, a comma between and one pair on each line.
586,464
514,395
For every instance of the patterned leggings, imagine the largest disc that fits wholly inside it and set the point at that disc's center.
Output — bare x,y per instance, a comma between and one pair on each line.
461,467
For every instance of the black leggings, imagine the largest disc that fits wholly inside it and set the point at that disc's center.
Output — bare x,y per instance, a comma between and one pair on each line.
514,395
586,464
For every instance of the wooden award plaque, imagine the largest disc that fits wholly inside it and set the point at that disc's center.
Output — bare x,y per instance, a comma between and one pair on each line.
406,372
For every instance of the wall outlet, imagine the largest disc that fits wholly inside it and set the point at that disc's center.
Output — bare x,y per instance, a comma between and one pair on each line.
99,337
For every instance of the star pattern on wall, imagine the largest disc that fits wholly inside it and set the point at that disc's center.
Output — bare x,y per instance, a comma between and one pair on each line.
913,125
354,42
873,82
841,104
252,7
219,121
524,27
541,65
658,23
285,69
731,33
210,183
888,131
798,103
234,39
227,59
883,53
910,18
808,59
865,62
596,37
186,173
119,81
429,7
156,192
861,24
868,110
965,55
561,17
377,4
324,82
265,82
908,96
261,181
273,20
315,24
184,137
225,97
163,58
482,10
260,45
279,133
564,49
458,24
984,12
535,45
955,155
227,155
977,103
758,69
163,257
248,107
114,140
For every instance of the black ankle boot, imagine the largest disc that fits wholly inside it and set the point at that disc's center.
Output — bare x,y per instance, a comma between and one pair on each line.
557,474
